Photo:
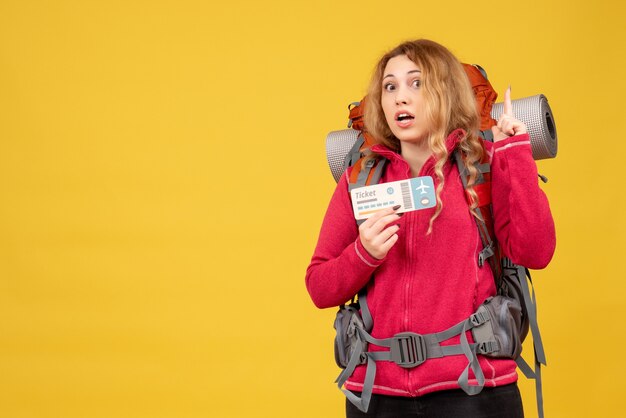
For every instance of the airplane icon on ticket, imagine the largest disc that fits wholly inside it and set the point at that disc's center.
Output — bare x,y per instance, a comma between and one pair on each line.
422,187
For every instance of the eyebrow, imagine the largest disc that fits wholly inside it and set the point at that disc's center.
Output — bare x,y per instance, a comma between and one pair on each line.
410,72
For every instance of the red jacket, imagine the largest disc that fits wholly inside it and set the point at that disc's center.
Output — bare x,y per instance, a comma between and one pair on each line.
427,283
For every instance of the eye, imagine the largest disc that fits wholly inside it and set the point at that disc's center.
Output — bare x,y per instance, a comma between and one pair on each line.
389,87
416,83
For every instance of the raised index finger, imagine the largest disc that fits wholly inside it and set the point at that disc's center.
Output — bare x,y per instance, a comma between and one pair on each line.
508,107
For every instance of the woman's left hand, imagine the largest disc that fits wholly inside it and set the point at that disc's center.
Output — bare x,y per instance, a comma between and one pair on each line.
508,125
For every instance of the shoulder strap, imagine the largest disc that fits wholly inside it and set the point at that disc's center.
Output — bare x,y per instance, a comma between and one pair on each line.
492,252
484,218
364,172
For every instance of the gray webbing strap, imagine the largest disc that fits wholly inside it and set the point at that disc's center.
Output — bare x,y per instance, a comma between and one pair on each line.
488,245
533,374
366,315
355,360
433,351
363,402
381,342
538,389
462,170
540,354
355,152
355,104
525,368
432,340
361,180
472,358
487,134
378,171
531,309
449,333
484,254
482,169
536,375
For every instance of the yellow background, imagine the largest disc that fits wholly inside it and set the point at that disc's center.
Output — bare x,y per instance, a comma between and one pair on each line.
163,180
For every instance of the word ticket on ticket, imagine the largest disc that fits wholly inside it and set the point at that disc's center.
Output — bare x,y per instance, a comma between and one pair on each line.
412,194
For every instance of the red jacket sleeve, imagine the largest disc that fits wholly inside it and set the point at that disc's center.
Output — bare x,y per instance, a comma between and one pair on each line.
522,219
340,266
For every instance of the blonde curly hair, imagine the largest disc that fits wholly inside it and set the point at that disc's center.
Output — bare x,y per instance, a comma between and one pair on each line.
450,104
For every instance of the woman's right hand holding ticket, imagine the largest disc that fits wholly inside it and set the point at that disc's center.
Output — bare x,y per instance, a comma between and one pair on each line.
379,233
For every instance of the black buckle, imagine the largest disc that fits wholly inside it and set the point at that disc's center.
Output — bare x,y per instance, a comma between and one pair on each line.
478,318
488,347
408,349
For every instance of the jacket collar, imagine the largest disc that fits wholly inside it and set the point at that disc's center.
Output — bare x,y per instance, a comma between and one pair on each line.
451,143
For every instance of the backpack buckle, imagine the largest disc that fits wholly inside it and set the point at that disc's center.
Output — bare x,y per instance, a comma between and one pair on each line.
485,254
478,318
408,349
488,347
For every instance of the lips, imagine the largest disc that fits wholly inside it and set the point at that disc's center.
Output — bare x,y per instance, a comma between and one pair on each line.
404,119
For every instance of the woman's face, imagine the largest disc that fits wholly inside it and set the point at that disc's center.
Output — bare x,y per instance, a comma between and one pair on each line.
402,100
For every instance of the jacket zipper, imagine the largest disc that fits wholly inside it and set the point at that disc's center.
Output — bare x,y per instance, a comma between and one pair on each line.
426,169
407,287
407,280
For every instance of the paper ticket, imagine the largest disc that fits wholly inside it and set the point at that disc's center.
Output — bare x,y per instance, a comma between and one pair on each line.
412,194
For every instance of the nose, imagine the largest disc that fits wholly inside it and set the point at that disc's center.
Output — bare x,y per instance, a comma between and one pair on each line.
401,96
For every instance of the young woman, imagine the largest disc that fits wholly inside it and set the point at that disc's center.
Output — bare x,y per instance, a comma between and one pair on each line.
421,268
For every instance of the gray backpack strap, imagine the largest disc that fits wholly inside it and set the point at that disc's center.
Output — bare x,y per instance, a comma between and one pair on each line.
538,389
366,315
378,171
488,245
539,352
361,179
363,402
471,350
531,309
355,152
470,353
486,135
525,368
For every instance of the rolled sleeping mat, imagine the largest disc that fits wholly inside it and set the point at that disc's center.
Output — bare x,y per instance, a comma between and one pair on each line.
534,111
338,145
